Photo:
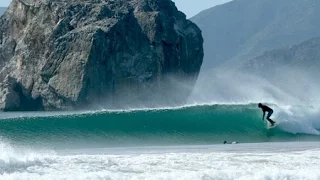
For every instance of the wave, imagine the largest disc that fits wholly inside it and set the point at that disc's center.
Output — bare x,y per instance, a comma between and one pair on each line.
199,124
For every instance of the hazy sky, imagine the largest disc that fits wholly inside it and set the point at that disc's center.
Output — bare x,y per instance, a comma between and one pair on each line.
189,7
4,3
193,7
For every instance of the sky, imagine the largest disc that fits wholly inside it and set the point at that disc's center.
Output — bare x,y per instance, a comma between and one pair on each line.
189,7
193,7
4,3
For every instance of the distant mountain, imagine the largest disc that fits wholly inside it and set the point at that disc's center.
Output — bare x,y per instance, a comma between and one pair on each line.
289,74
2,9
304,56
242,29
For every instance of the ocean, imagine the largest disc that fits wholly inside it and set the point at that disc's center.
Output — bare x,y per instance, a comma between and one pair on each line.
165,143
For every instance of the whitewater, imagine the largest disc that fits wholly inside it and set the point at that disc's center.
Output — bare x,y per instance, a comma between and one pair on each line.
242,161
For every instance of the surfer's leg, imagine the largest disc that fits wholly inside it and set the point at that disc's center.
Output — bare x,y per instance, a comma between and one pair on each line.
268,117
271,121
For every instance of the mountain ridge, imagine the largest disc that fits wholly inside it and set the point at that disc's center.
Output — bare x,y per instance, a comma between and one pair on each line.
2,10
304,56
242,29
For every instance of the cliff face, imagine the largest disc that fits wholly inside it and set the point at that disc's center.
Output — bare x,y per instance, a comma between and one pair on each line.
57,54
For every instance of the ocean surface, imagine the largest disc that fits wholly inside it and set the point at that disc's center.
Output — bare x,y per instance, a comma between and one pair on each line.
165,143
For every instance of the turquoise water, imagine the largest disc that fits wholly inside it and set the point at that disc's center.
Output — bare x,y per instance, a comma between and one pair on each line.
191,125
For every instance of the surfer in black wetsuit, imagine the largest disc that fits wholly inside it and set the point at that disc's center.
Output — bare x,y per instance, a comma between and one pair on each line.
266,109
234,142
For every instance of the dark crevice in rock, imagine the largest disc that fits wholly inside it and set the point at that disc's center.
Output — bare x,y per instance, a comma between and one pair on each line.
27,103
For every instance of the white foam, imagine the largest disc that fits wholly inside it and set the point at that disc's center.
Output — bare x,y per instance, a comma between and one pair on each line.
298,119
203,163
14,159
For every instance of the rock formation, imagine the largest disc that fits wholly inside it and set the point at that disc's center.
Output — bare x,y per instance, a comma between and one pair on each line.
59,54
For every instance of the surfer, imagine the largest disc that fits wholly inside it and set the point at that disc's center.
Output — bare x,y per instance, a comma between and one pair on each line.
269,110
234,142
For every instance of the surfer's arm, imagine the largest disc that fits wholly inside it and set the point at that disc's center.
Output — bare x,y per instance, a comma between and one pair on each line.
264,113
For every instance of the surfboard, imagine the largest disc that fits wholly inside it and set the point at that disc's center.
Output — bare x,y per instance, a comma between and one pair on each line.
271,127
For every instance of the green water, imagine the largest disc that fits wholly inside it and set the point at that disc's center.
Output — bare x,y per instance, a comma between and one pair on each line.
177,126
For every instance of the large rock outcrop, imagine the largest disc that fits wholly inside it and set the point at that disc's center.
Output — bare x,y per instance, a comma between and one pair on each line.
61,54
